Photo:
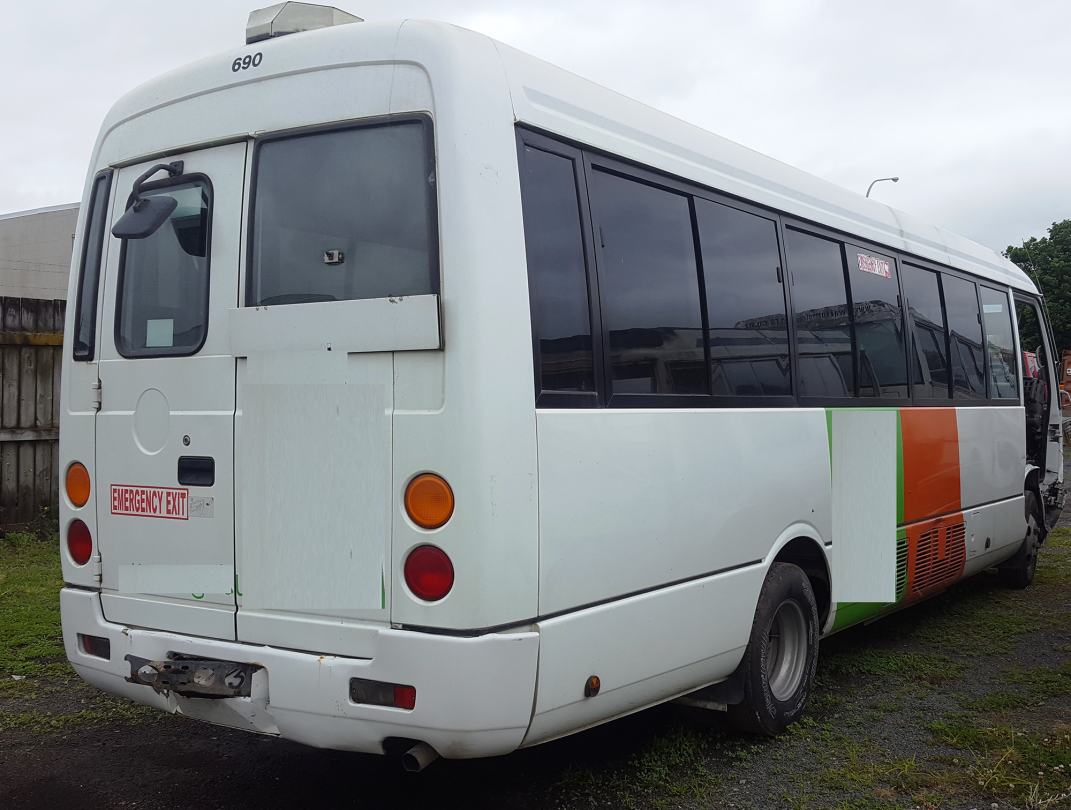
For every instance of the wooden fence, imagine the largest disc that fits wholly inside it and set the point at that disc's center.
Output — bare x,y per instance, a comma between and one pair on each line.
31,346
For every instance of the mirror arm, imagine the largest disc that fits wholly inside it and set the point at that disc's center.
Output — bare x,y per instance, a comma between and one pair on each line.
171,168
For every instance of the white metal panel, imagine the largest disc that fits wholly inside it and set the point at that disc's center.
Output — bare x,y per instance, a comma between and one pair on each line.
643,649
993,533
480,433
864,505
315,498
992,453
338,630
402,323
632,499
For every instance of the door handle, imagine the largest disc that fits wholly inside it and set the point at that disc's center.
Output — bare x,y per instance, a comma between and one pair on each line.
197,471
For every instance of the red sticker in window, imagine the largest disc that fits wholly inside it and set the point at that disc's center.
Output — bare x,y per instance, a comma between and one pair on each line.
155,502
878,267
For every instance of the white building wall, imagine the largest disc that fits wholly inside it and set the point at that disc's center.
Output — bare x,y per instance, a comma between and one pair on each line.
35,252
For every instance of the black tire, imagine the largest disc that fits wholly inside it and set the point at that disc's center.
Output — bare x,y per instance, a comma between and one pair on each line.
1018,571
781,655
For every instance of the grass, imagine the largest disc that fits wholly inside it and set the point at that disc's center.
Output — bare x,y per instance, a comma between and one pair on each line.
39,690
924,708
31,640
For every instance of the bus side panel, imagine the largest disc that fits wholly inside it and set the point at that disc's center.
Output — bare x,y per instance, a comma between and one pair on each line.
631,500
992,457
1000,524
644,649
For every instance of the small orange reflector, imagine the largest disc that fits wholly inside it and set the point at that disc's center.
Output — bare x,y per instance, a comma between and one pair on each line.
592,687
78,484
429,501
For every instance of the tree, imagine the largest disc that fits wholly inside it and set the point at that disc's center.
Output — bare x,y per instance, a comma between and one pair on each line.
1048,262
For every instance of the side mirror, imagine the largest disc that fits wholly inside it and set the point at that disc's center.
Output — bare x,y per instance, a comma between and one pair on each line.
144,217
146,214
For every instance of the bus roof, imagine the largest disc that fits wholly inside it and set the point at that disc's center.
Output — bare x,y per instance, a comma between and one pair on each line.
554,100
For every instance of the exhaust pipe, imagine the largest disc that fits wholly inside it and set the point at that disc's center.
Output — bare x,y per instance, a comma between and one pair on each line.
419,757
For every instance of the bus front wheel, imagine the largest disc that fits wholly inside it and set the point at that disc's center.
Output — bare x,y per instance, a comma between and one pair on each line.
1018,571
781,656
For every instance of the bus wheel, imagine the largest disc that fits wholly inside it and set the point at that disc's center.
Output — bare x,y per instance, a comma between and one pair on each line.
781,655
1018,572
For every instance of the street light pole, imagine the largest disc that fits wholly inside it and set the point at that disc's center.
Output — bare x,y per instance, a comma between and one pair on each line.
894,179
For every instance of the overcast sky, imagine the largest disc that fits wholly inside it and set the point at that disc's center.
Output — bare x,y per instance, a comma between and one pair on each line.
968,101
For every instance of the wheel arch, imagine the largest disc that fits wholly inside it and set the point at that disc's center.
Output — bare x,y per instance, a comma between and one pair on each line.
801,545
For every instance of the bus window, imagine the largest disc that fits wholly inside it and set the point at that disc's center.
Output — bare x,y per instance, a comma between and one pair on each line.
1000,345
343,214
879,325
965,338
745,302
85,315
823,324
929,355
557,272
162,306
649,282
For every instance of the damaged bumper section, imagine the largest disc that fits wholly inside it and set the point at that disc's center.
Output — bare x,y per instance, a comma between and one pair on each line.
470,696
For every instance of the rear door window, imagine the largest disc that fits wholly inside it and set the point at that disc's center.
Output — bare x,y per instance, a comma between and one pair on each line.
649,282
745,302
344,214
162,307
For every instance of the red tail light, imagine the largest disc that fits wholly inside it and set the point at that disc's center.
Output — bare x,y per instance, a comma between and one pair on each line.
405,697
429,573
79,542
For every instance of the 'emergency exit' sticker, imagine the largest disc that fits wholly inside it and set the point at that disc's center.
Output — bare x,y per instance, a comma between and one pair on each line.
155,502
874,266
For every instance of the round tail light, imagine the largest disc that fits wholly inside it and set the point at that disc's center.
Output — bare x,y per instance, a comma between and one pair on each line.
429,573
429,501
78,484
79,542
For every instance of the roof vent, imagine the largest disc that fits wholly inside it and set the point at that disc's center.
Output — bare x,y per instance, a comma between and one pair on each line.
290,18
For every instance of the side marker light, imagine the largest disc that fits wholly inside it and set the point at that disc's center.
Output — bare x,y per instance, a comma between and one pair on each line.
592,686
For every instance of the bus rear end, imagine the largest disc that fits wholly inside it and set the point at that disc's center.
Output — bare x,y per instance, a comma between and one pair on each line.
288,507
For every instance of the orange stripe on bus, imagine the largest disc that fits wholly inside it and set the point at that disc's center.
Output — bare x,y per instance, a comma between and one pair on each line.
931,462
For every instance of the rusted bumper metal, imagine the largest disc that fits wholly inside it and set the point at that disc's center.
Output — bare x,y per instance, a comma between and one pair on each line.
193,677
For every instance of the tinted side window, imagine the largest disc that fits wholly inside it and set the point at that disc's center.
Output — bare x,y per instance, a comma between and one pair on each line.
557,272
1000,345
745,302
163,280
85,313
649,283
929,353
823,323
879,324
965,338
344,214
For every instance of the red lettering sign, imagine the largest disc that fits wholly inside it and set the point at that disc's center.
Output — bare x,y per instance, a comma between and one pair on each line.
155,502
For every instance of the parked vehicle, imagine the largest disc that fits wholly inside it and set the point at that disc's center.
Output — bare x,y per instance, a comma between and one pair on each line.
426,397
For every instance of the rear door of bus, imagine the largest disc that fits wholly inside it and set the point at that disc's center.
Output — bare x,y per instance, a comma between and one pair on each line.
165,430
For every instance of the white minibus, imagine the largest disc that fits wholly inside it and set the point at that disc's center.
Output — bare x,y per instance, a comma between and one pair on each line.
421,396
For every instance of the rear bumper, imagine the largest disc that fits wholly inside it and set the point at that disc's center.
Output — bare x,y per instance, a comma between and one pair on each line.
474,695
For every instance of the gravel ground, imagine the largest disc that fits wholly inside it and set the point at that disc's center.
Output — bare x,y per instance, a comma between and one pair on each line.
961,702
